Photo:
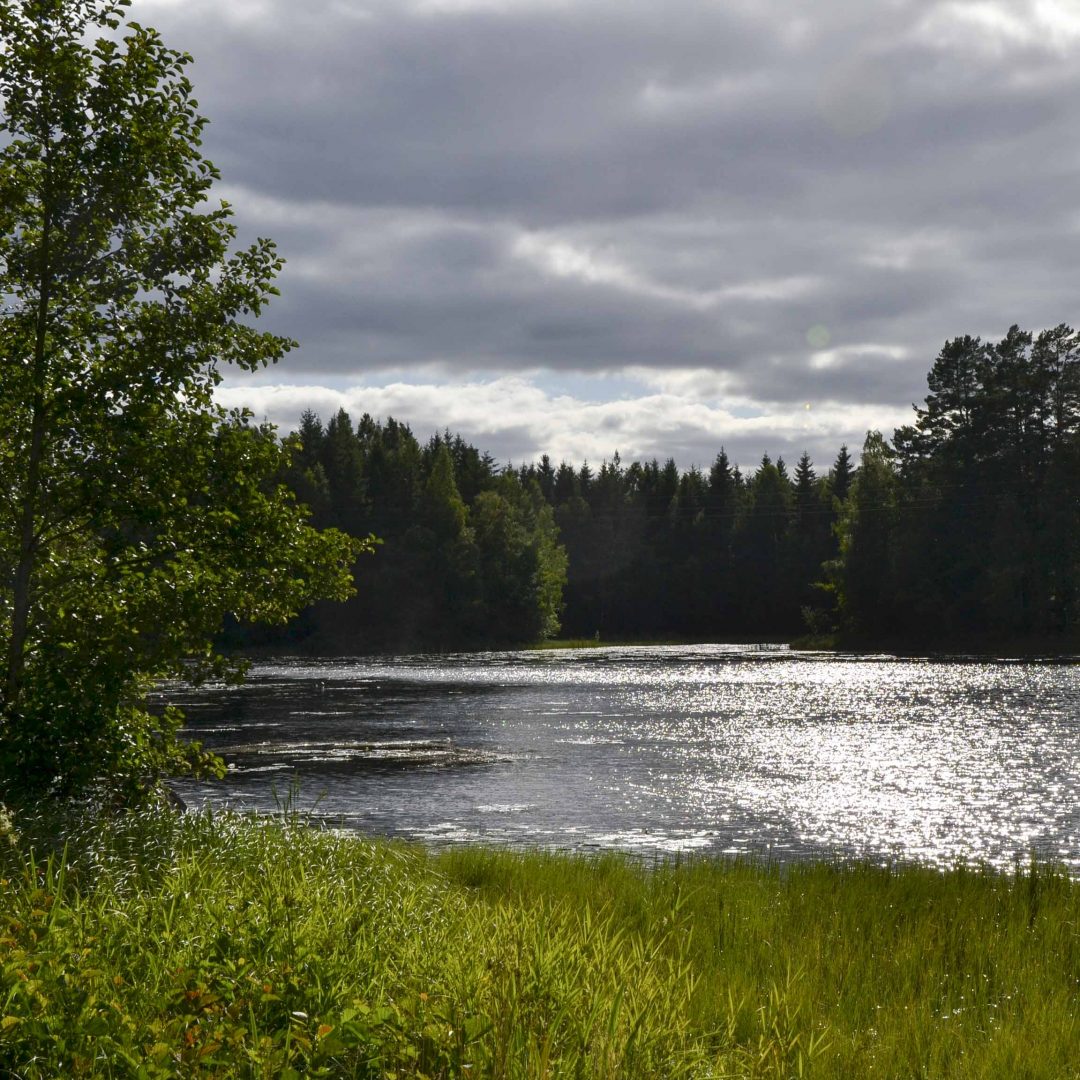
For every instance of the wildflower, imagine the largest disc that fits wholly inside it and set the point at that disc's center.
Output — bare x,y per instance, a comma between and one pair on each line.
8,832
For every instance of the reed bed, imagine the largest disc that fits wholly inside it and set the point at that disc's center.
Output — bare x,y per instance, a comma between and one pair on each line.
215,945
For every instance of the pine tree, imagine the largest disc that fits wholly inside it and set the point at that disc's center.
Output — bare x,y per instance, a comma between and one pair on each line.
841,475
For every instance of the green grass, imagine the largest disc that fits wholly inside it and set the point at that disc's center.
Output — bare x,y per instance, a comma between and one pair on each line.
568,643
597,643
213,945
817,642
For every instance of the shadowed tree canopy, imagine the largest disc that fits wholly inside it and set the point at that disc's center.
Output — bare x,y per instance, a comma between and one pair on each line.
136,513
964,532
469,553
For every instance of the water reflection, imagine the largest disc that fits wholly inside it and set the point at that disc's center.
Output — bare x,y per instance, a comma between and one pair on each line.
707,748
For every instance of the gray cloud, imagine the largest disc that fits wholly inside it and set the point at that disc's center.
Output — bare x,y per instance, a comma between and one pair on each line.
486,188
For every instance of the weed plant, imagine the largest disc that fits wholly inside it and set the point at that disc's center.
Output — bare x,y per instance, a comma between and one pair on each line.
156,945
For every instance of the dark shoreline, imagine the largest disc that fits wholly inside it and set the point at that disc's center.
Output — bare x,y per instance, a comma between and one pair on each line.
1048,649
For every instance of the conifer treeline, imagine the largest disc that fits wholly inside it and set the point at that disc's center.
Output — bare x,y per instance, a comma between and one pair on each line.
965,529
656,552
468,556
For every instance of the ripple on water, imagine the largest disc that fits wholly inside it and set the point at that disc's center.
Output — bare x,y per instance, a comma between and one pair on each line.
714,748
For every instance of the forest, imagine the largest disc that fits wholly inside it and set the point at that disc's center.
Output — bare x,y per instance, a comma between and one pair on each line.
962,529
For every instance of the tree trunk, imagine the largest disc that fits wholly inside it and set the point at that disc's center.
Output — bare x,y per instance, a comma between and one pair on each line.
22,590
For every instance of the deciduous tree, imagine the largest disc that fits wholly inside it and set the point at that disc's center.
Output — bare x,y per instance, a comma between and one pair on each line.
135,513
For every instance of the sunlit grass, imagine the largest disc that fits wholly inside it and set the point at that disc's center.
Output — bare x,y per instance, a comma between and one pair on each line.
598,643
569,643
215,945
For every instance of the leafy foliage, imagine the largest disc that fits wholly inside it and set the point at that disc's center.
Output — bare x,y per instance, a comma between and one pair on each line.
137,514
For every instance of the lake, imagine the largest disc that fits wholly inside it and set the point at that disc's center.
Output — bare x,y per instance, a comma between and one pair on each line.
730,750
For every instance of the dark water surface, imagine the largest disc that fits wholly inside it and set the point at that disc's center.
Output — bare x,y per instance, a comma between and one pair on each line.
711,748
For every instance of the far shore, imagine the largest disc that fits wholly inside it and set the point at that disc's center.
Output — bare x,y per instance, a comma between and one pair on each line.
1050,648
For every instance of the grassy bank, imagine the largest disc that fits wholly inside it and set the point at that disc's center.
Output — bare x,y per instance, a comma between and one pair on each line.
599,643
215,946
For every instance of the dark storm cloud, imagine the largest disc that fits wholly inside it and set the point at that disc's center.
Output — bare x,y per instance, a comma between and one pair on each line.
588,186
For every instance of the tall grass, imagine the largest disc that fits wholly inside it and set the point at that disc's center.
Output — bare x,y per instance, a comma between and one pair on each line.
215,945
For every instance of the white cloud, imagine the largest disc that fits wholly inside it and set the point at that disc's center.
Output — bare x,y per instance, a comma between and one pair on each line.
914,249
562,259
1060,18
664,100
996,26
518,420
863,355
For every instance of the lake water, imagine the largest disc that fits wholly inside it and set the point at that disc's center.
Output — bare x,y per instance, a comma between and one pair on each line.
719,749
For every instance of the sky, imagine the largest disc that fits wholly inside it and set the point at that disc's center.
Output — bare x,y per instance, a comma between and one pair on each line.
656,227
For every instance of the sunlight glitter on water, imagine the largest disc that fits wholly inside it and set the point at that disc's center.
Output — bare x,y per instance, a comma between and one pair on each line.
669,749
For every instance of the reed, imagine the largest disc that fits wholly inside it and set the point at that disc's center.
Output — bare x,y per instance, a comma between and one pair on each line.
217,945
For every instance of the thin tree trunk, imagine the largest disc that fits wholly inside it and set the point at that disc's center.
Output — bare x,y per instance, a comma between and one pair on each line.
31,496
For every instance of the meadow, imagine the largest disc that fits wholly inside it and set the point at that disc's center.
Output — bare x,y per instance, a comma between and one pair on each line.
210,944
